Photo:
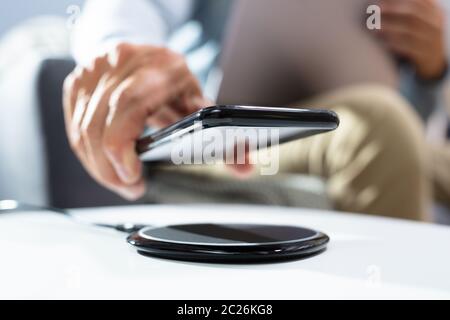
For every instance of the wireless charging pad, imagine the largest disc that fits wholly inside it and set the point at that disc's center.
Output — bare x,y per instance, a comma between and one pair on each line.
229,243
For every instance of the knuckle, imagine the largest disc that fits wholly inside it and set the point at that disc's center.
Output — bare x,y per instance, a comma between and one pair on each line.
154,80
121,53
164,51
76,79
77,72
173,57
102,58
80,73
123,47
98,63
84,73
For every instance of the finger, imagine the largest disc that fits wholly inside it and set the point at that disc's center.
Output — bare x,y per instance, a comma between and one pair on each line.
394,31
121,151
195,103
92,131
189,106
131,192
410,13
134,89
75,103
125,124
70,93
165,89
156,85
414,5
85,79
72,86
93,123
169,66
404,47
126,59
239,168
98,163
74,128
166,67
180,106
191,100
81,83
151,89
164,117
130,94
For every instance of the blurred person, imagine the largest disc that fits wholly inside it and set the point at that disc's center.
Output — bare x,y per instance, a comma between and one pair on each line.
416,32
127,78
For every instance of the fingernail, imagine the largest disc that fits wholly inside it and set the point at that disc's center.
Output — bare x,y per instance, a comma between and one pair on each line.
133,193
129,170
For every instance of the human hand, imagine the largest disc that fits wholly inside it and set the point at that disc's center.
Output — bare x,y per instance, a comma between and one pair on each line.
108,105
414,29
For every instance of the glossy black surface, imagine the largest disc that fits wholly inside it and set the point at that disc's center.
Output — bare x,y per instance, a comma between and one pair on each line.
231,243
317,121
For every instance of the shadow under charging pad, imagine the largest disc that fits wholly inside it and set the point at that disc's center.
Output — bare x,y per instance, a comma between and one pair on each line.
229,243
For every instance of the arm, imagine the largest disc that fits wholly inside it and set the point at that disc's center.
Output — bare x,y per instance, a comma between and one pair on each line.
124,82
106,23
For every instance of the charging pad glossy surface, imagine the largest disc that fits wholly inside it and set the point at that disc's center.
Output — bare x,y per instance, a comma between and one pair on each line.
229,243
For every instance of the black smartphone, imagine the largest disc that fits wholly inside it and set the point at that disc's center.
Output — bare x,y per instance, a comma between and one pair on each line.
229,243
260,127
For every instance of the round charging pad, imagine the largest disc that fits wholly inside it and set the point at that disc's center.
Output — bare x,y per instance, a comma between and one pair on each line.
229,243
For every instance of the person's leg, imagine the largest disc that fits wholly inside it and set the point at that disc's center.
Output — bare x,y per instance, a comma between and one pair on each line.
375,162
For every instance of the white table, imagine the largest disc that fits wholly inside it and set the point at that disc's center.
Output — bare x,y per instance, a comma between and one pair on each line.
48,256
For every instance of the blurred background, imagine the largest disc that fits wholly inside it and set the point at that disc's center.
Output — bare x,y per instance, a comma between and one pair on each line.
38,166
14,12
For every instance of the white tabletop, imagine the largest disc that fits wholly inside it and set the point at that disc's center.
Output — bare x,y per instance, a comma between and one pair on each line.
48,256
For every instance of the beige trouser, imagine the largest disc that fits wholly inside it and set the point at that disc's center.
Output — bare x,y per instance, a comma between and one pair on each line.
375,163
